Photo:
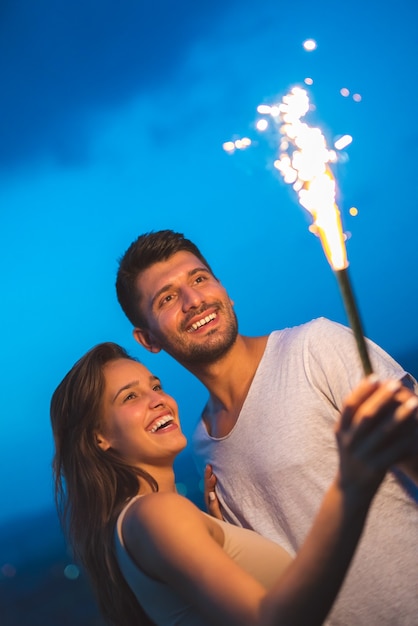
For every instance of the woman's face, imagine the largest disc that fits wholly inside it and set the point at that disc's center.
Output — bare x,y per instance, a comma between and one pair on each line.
140,421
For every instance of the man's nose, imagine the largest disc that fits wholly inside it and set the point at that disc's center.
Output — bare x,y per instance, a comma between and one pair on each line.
191,298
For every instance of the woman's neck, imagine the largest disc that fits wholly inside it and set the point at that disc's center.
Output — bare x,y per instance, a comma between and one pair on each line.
165,478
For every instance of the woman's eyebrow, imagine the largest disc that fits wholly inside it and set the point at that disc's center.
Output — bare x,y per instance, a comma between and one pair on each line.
127,386
134,383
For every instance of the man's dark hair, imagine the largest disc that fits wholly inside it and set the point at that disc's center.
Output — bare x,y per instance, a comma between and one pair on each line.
148,249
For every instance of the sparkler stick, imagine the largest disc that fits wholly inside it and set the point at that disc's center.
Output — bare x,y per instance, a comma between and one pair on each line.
304,162
354,318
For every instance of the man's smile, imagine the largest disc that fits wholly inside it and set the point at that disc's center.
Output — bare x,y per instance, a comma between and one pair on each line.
201,322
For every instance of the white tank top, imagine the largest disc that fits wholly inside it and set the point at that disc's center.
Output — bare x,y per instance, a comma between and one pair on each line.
260,557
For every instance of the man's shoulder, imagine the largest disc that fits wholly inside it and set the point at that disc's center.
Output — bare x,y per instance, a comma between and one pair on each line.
316,326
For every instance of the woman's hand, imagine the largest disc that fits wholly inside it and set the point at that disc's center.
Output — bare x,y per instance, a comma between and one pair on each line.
377,430
211,499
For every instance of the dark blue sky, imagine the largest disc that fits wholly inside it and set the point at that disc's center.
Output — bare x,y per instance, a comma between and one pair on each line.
112,119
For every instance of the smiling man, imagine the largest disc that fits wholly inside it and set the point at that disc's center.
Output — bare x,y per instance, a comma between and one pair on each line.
268,425
173,299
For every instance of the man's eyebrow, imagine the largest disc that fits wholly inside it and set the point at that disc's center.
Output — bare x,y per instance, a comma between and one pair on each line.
160,292
169,286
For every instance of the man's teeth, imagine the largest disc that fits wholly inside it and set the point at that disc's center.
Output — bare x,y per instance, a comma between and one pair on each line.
202,322
161,422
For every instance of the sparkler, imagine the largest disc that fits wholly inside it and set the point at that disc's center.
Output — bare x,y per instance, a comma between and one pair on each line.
304,161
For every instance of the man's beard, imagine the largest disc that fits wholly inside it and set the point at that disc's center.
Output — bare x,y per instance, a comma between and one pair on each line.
215,346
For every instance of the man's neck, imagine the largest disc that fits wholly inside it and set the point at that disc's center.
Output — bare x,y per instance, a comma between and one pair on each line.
228,381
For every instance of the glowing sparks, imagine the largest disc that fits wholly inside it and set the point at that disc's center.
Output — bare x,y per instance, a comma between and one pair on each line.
304,162
264,109
228,146
243,143
238,144
309,45
262,125
346,92
343,142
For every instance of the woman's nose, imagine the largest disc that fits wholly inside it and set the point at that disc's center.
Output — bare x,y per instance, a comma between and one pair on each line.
156,399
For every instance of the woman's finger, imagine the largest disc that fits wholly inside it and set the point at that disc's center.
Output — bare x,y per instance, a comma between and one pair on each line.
367,405
355,399
407,409
211,499
386,434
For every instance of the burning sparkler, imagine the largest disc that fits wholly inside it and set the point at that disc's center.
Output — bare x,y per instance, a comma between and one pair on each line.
304,161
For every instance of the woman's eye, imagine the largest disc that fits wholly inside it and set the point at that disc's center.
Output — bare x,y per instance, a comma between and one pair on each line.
130,396
158,387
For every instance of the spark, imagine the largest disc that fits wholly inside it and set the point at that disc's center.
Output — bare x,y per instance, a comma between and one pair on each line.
343,142
310,45
303,161
262,125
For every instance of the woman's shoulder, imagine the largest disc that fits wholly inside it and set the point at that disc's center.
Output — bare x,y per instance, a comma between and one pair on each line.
145,508
153,514
157,526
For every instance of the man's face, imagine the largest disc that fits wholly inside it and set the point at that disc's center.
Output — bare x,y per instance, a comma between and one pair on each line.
188,312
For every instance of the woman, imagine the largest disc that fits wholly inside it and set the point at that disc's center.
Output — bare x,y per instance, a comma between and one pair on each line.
155,558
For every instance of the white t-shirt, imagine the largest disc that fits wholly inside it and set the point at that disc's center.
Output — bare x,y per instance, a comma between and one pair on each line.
275,465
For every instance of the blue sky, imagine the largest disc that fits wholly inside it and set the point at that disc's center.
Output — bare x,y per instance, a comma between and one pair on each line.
112,119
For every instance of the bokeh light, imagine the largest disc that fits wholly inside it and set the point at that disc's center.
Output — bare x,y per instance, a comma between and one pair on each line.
310,45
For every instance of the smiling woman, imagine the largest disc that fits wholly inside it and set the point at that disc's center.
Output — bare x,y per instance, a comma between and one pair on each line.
137,418
154,557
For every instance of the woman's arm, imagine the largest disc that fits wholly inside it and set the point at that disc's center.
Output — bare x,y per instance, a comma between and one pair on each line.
374,433
171,540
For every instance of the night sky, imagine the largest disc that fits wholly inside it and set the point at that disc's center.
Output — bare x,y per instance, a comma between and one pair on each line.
112,120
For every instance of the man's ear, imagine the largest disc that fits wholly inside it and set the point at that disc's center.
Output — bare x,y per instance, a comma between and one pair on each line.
145,339
102,442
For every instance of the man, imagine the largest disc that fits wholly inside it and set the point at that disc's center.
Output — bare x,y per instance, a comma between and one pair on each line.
267,428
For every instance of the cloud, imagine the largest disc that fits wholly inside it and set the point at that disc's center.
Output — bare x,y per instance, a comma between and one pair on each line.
64,61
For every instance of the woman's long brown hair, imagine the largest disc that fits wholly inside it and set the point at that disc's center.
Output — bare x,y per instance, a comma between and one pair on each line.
92,485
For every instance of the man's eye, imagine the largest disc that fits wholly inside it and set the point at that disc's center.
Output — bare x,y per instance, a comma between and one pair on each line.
166,300
157,387
200,279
